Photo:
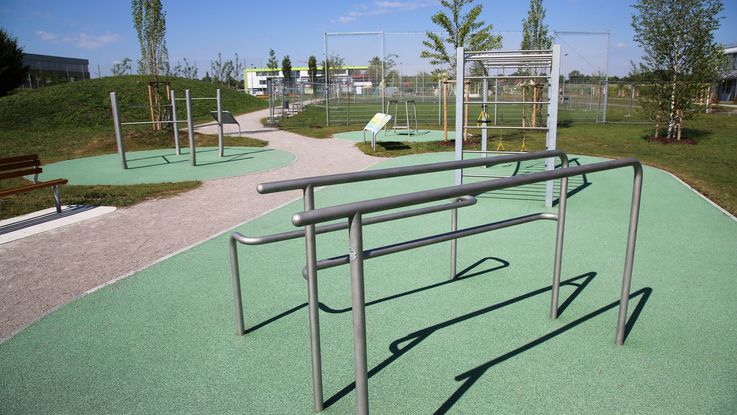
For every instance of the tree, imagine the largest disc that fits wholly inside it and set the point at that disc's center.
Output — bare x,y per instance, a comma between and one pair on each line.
122,67
221,70
334,63
376,67
677,37
535,37
534,31
272,63
12,71
238,67
286,70
312,68
149,20
186,70
460,30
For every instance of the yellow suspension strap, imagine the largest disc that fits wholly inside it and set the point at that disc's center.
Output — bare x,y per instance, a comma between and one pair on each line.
524,143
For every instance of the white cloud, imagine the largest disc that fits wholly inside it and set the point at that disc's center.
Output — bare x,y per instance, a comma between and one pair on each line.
382,7
87,41
46,36
620,45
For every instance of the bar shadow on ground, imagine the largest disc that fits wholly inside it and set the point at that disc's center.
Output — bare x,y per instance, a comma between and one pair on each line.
472,376
401,346
464,274
229,158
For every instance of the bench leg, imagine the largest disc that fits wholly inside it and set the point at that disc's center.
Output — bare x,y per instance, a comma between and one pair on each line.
57,198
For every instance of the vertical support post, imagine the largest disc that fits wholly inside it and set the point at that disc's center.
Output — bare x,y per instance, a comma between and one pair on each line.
629,255
484,131
312,302
496,96
562,202
270,92
57,198
552,133
606,77
221,139
175,124
118,132
382,85
440,86
453,245
237,299
190,128
460,70
326,77
355,236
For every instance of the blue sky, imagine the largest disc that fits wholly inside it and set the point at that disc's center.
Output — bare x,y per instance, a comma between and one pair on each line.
102,31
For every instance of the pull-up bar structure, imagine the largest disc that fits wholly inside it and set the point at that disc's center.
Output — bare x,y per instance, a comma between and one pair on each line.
542,65
221,117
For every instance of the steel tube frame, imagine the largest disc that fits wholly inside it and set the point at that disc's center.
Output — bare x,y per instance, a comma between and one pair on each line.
190,128
354,211
118,132
220,122
174,121
307,185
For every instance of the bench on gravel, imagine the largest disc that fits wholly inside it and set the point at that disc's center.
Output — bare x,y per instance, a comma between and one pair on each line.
21,166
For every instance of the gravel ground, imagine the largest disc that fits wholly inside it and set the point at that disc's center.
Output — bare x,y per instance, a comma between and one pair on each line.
40,273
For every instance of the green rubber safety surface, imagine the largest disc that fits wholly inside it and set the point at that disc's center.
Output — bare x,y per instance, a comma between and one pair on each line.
420,136
164,165
163,340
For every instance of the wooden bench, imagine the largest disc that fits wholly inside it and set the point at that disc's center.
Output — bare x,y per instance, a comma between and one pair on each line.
21,166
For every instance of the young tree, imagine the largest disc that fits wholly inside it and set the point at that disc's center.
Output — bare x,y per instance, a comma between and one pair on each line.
535,37
334,63
534,31
12,71
677,37
238,67
149,21
122,67
272,62
221,70
459,30
186,70
312,68
286,70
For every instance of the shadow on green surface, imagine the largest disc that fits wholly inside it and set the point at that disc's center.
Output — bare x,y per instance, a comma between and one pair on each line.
470,377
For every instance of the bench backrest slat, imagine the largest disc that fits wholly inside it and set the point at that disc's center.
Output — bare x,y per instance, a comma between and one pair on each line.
21,173
19,165
16,159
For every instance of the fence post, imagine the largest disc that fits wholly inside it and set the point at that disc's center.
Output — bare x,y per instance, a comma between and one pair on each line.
221,139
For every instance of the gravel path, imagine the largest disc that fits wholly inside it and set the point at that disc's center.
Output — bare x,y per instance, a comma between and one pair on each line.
43,272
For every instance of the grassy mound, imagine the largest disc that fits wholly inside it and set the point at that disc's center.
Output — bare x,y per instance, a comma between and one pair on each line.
70,120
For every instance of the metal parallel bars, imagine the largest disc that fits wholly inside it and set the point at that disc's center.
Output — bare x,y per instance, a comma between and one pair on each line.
353,213
307,185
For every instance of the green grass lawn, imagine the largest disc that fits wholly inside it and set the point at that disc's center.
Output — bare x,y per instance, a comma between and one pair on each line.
74,120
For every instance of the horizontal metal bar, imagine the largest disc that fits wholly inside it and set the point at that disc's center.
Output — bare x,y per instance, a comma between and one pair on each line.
343,178
488,176
503,127
460,202
201,98
507,102
429,240
493,152
519,51
146,122
509,77
408,199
